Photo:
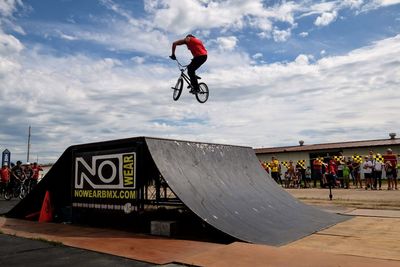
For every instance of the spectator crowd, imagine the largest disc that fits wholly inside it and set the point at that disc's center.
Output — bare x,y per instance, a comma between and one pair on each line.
338,171
17,174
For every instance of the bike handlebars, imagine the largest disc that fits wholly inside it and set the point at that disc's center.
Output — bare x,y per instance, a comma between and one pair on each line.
180,66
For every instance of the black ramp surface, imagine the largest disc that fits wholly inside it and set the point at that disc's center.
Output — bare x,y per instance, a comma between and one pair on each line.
227,188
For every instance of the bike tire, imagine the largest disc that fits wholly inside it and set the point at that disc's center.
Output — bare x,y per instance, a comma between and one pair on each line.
8,195
202,95
23,192
177,89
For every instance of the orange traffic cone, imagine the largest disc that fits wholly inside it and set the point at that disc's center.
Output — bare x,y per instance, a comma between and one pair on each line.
46,213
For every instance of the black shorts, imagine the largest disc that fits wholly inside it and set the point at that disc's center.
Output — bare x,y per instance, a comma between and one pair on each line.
275,175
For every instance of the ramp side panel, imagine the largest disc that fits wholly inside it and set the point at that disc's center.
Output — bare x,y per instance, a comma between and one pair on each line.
227,188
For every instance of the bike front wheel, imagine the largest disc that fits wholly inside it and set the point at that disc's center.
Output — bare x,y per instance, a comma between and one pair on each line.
202,94
177,89
23,192
8,195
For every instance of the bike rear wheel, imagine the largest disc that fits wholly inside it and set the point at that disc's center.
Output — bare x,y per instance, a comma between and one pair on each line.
177,89
202,95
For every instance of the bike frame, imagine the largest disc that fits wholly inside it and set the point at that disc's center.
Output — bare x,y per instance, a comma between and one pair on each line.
182,69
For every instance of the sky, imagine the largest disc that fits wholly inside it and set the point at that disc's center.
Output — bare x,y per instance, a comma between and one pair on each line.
278,72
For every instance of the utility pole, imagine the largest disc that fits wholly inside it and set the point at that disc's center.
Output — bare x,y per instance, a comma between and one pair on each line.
29,144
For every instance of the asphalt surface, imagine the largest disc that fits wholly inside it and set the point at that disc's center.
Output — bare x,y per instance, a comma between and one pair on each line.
17,251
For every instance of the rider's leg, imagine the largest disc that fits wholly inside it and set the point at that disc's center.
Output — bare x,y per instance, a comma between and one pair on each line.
193,66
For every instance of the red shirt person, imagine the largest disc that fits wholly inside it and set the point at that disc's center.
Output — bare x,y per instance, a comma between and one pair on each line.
5,174
392,158
199,53
36,169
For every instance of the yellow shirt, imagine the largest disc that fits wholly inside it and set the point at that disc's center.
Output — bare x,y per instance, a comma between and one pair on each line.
275,166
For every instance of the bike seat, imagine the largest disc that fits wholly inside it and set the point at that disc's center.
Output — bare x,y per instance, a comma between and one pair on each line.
198,77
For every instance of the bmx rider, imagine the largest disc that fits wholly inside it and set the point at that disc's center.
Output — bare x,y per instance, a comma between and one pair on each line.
199,53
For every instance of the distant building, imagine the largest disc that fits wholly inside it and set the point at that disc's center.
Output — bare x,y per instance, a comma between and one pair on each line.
310,152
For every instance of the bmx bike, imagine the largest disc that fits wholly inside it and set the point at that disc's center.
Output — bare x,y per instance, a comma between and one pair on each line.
201,94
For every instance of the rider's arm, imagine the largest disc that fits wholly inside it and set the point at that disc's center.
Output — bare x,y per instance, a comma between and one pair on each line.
178,42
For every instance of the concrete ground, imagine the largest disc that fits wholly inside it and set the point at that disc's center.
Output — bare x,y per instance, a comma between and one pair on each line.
370,238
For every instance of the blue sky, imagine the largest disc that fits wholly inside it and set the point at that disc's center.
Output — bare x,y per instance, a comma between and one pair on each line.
278,71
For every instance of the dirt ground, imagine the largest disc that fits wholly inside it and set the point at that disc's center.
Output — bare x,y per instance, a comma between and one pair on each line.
351,198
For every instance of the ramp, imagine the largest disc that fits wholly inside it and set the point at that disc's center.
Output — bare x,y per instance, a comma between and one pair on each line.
222,184
227,188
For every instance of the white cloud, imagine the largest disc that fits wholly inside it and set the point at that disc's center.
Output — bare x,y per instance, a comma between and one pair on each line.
186,16
257,55
326,18
9,44
8,7
353,4
75,98
302,59
7,10
281,35
227,43
303,34
386,2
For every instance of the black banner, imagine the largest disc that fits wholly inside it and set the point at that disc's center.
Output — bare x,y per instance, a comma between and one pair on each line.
105,180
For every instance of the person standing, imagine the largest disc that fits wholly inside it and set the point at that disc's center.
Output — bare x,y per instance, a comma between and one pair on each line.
290,174
377,172
275,167
308,177
340,162
301,169
332,172
392,158
349,164
389,170
17,176
367,167
356,173
346,176
317,171
36,171
4,177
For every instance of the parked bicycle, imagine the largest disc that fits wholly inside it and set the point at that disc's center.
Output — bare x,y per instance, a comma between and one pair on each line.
13,189
26,188
201,94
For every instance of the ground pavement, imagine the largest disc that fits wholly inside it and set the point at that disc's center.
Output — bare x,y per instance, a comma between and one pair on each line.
368,239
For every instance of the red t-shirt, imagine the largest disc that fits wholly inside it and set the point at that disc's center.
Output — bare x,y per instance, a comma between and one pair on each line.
392,158
196,47
5,175
36,170
317,165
